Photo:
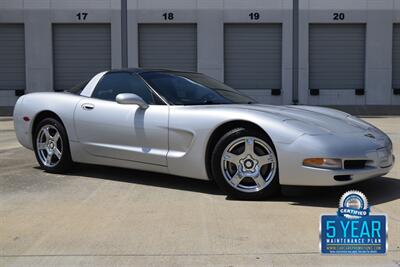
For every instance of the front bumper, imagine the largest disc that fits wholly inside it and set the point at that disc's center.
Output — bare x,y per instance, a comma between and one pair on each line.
322,177
346,147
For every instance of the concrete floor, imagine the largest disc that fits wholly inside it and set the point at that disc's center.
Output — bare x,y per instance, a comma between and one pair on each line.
104,216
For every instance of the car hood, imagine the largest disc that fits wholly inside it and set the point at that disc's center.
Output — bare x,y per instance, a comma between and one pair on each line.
310,119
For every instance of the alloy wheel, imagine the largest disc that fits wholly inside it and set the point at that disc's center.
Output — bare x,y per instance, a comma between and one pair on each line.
49,145
249,164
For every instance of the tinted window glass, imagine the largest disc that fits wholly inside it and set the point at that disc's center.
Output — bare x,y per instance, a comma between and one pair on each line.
116,83
77,89
182,88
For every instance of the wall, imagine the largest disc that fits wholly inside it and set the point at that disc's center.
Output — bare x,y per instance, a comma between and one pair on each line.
210,16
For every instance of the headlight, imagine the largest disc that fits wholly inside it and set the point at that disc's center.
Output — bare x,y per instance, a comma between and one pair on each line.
324,163
366,125
359,122
306,128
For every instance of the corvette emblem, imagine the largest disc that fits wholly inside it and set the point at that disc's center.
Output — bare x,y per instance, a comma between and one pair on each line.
370,135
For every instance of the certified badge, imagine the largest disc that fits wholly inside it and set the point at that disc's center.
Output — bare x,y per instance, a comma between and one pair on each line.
353,205
353,230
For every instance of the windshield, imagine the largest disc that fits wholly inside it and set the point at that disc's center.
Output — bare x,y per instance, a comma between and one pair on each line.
182,88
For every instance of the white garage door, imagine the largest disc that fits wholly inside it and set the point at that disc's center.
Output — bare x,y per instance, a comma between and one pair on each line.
396,57
336,56
253,56
172,46
79,52
12,57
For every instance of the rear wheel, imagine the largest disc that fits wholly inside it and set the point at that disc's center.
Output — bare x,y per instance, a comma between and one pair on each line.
245,165
51,146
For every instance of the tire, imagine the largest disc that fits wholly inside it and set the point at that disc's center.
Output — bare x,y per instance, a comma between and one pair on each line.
244,164
51,146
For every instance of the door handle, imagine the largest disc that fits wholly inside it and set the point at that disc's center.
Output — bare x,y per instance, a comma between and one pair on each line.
87,106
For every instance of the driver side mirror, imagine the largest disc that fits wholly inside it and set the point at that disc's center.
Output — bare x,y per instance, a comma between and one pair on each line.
129,99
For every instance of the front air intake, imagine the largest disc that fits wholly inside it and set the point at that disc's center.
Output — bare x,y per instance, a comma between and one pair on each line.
354,164
342,178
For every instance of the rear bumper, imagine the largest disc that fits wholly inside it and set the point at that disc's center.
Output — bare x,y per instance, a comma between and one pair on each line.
22,128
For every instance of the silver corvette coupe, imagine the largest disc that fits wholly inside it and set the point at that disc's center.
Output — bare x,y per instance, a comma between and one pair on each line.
188,124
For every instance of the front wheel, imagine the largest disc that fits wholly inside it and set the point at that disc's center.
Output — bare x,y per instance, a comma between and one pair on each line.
51,146
245,165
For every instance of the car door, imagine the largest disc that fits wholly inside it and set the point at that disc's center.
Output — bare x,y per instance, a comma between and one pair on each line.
123,131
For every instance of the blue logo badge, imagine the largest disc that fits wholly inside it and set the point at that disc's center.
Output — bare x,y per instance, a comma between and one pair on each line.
353,230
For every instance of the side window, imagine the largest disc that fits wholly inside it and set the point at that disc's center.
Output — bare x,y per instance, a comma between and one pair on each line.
116,83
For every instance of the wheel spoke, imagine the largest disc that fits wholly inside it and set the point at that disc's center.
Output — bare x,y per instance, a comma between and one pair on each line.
57,153
236,179
266,159
47,133
232,158
249,145
41,146
259,180
48,158
56,137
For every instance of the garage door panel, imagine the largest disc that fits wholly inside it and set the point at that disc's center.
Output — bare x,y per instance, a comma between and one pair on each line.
253,56
168,46
396,57
80,51
12,57
336,56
